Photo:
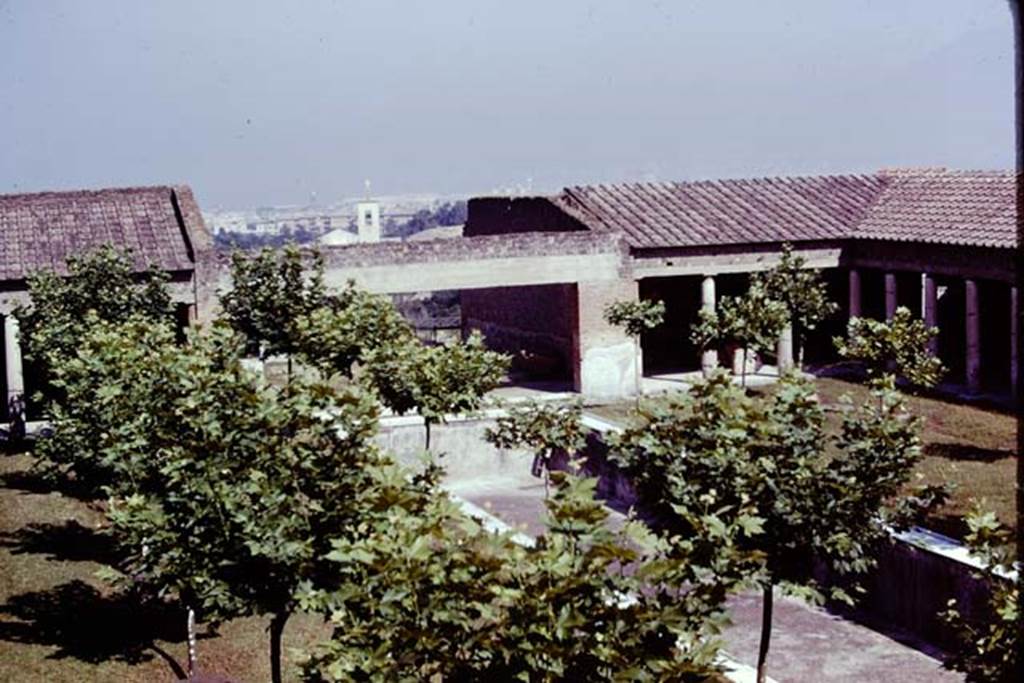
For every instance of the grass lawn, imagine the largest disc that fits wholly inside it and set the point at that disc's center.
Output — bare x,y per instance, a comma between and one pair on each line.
972,448
59,623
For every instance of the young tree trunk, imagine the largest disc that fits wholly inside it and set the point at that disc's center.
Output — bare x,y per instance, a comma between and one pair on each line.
636,369
426,430
743,369
289,369
277,623
190,625
766,633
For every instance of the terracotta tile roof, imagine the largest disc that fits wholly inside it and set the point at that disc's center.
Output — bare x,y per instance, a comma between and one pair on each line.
160,225
685,214
950,207
970,208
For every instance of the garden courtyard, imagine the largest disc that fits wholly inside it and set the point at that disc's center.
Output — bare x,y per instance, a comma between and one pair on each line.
59,622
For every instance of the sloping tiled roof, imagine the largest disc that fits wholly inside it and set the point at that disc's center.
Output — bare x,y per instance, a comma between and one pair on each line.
969,208
948,207
685,214
160,225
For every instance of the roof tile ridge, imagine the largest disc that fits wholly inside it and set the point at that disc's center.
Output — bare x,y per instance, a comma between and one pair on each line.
86,192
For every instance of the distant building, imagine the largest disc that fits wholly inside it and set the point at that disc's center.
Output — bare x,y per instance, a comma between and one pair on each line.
368,221
338,237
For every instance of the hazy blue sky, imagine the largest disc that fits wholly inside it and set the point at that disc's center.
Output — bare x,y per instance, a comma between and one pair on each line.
257,103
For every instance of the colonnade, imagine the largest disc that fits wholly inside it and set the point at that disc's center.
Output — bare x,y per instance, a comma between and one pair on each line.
929,312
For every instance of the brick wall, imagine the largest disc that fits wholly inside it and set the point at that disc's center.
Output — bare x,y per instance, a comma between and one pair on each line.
507,215
536,319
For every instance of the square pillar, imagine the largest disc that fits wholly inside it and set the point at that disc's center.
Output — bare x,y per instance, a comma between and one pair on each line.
973,374
604,356
854,293
709,358
929,308
15,374
890,295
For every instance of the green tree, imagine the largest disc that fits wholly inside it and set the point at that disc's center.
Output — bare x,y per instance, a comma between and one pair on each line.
754,321
435,381
635,318
226,493
99,285
769,458
334,337
801,290
990,644
270,293
544,428
436,597
900,345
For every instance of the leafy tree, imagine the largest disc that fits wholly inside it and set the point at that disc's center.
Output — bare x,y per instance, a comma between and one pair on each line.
436,597
225,493
435,381
333,338
100,285
270,292
545,428
754,321
901,344
769,459
801,290
635,318
100,422
990,646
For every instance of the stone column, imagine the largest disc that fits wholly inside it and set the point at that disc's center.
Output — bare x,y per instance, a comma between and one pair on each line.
784,348
929,308
12,359
709,359
1014,336
604,357
973,336
890,295
854,293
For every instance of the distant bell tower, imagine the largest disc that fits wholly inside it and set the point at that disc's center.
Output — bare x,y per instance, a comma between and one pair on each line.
368,218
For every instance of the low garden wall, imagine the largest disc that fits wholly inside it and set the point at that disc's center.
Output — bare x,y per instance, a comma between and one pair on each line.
918,571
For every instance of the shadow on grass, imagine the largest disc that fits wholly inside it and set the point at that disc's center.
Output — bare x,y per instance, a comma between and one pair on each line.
32,480
965,452
70,541
82,623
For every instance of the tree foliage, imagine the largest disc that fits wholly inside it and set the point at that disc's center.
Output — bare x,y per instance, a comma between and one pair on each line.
900,344
270,293
635,317
224,493
717,451
435,381
753,321
436,596
544,428
990,644
800,289
333,338
100,283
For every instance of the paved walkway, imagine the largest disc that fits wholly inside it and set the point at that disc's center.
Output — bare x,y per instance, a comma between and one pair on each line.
808,644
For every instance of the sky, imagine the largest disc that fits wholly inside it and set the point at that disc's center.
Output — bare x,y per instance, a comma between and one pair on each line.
259,103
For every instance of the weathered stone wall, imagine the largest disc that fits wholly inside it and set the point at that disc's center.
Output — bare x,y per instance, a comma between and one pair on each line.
507,215
605,357
469,248
535,319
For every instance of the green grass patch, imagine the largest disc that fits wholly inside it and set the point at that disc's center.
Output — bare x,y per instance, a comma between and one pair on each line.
59,623
971,448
